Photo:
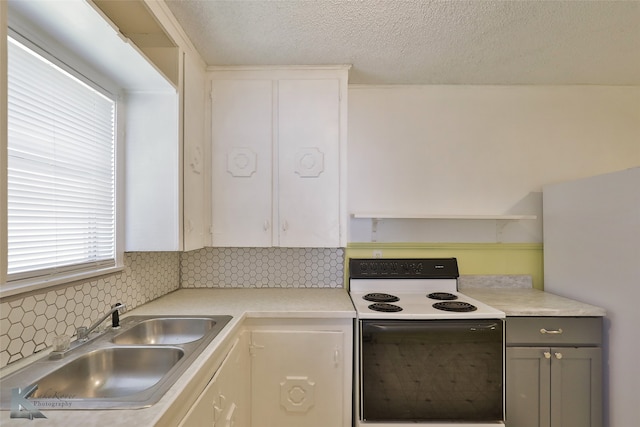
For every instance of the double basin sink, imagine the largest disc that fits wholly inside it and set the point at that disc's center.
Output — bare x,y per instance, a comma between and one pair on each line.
126,368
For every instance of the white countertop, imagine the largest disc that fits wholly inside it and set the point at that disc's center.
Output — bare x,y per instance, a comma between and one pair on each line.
532,302
261,302
276,303
241,304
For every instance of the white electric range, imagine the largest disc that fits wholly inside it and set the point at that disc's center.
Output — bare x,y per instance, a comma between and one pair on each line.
426,353
395,298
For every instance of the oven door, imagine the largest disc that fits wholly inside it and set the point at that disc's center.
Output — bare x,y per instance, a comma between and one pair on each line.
432,371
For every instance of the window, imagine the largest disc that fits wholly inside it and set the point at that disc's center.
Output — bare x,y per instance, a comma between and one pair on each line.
61,171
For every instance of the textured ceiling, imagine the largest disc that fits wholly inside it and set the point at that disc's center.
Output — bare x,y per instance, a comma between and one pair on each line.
425,42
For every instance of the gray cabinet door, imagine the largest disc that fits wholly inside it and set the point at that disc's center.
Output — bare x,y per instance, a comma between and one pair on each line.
553,387
528,387
576,387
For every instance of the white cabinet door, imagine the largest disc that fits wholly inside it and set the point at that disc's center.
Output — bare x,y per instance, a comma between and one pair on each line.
297,379
194,84
204,411
235,387
225,402
242,127
309,163
278,158
153,215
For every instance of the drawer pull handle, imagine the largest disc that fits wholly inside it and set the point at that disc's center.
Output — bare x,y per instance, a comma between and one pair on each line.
551,331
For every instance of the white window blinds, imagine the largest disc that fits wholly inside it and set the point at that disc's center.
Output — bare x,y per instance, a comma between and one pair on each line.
61,170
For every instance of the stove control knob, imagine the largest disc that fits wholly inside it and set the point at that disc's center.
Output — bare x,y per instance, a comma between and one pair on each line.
547,355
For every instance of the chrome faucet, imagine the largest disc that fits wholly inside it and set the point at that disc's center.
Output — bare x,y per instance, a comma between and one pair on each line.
83,332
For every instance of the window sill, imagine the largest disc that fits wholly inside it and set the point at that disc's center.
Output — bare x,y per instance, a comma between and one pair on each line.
31,285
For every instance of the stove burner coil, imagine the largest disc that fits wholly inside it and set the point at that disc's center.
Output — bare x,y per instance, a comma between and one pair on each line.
443,296
380,297
387,308
457,306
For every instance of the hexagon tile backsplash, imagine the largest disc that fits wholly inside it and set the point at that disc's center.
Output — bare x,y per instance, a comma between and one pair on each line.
263,267
28,324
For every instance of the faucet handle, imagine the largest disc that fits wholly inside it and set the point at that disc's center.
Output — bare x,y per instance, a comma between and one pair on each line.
61,342
82,333
115,316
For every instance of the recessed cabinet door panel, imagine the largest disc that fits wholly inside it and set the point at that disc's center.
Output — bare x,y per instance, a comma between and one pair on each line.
297,379
309,163
528,387
576,387
242,127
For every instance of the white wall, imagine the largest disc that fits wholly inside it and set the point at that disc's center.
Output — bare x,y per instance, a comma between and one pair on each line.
480,150
591,253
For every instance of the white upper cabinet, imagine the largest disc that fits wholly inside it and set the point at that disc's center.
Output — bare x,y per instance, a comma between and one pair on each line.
242,127
152,172
193,115
278,157
308,163
165,132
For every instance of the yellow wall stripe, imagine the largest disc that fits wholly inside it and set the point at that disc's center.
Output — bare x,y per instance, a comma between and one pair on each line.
473,258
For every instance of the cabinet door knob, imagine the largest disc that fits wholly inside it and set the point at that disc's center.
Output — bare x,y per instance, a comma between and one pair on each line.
547,355
551,331
558,355
285,225
266,225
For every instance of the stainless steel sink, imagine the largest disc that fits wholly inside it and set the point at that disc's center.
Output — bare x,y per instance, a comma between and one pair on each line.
125,368
109,372
177,330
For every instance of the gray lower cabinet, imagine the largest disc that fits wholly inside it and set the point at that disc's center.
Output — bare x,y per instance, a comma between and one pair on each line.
553,372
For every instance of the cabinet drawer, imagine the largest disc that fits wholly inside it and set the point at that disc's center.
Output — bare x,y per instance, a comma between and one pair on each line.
553,331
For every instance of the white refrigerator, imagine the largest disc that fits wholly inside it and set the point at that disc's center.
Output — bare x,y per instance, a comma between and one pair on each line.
591,235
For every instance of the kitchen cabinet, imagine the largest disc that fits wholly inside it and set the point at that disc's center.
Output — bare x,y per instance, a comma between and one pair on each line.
225,402
194,137
165,132
144,23
278,157
301,374
553,372
152,171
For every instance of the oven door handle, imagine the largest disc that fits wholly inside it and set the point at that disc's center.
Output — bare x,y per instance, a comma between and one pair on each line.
491,327
416,326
